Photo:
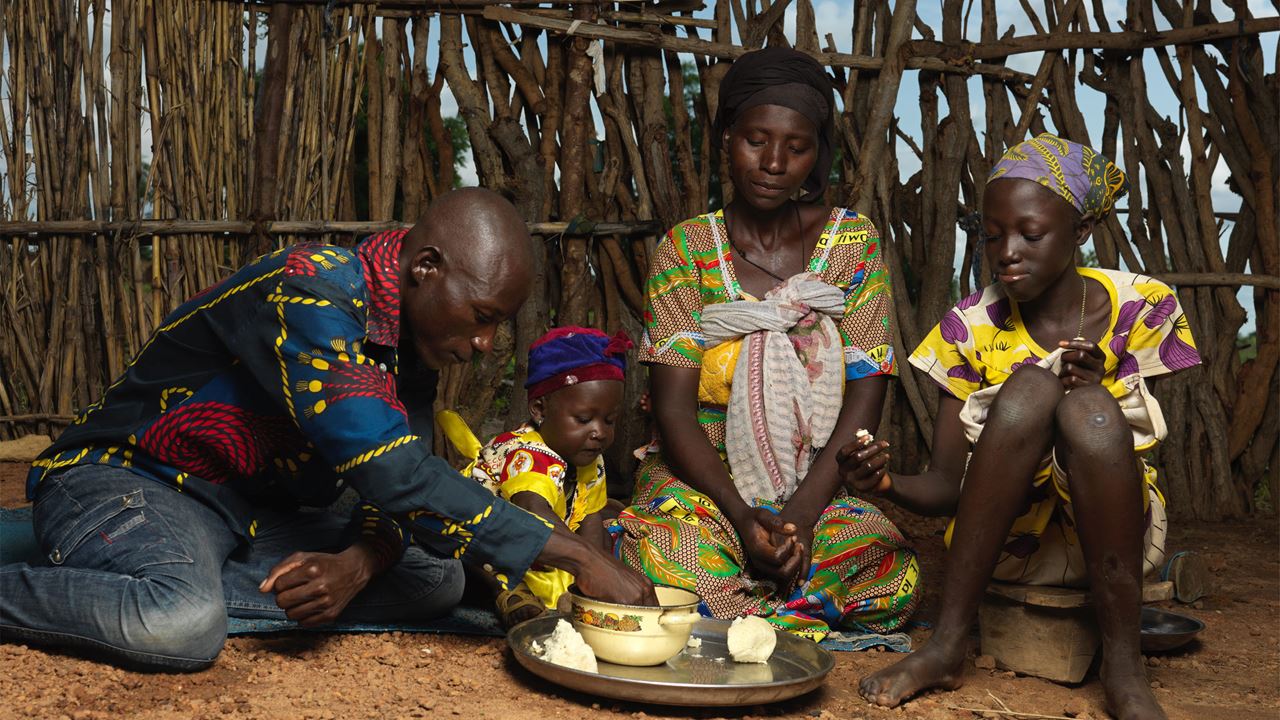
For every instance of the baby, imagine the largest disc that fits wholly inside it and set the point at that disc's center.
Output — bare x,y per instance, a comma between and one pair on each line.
552,465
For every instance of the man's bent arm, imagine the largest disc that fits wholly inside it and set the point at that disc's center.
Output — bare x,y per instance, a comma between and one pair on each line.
306,347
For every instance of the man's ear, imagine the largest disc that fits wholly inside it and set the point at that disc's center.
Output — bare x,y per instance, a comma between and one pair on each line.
1085,227
426,261
538,409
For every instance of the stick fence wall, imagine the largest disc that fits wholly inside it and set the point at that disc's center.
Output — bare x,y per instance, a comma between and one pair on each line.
105,227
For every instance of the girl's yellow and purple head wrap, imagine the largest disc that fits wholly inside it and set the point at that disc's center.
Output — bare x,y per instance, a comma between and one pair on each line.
1082,176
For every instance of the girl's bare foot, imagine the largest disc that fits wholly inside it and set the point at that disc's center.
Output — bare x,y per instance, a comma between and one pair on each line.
929,667
1129,696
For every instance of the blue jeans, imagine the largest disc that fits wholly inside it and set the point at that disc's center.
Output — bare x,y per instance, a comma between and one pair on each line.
147,576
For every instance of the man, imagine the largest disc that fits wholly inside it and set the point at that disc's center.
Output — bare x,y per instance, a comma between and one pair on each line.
171,502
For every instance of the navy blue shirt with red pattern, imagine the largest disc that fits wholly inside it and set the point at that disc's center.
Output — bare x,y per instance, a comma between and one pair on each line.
278,386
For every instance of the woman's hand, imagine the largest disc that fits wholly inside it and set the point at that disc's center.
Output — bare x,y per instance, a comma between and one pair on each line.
865,468
771,545
1081,364
804,516
803,551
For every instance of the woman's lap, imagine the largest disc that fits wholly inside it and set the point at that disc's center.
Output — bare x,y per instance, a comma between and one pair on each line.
862,575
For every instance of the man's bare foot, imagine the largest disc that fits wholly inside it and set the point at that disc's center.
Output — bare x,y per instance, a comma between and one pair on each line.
1129,696
926,668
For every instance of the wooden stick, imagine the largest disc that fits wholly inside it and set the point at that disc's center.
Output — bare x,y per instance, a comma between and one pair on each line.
1037,86
727,51
39,417
875,139
1127,40
923,54
1012,713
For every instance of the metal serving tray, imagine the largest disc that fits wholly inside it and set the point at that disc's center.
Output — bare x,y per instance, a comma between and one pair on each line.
701,676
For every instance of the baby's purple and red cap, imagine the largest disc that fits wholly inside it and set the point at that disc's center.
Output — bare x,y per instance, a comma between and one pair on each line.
570,355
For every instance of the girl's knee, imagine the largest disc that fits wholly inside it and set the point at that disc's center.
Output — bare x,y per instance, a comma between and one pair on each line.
1031,393
1091,414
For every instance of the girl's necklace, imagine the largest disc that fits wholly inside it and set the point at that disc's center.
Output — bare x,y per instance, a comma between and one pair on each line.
1084,296
753,263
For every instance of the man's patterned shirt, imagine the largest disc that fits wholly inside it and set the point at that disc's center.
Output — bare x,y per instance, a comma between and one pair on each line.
279,385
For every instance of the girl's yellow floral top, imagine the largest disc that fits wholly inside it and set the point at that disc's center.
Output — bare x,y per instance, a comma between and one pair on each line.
982,340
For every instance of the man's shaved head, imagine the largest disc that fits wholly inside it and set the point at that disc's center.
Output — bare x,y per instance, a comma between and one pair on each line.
464,268
477,225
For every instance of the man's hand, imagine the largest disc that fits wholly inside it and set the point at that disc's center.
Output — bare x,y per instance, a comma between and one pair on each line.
597,574
864,468
314,588
611,581
771,545
1081,364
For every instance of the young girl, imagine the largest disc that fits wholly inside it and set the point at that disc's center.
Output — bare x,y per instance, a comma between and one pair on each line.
1045,376
553,464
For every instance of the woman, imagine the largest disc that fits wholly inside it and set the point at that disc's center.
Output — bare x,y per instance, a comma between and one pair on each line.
768,339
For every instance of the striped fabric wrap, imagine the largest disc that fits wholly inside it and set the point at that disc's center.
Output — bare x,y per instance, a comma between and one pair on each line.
793,366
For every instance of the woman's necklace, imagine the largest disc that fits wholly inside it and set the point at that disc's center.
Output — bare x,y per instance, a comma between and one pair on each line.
753,263
1084,296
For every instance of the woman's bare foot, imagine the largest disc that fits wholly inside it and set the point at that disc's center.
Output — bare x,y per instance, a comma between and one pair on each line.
928,667
1129,696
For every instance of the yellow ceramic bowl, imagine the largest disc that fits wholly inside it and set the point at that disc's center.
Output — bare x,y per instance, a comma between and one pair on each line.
636,634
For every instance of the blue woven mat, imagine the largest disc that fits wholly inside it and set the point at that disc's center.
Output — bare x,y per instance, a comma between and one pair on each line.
18,544
17,540
461,620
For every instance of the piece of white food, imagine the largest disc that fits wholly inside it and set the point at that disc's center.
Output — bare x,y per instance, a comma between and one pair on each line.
751,640
694,642
567,648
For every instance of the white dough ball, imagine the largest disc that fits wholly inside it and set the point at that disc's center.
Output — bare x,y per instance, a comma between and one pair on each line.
567,648
751,640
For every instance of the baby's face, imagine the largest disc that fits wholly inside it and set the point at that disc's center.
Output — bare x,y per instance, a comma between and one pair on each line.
577,422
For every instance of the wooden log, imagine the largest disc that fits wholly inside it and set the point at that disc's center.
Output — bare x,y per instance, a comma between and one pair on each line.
578,288
1131,40
1267,282
875,140
922,54
1042,75
418,176
57,418
728,51
267,123
472,104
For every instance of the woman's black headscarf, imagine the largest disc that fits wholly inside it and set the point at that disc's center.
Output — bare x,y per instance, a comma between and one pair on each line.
786,77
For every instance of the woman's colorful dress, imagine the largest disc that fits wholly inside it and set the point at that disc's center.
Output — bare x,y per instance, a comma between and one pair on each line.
982,340
862,575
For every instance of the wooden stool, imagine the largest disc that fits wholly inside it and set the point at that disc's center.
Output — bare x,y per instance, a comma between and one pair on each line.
1049,632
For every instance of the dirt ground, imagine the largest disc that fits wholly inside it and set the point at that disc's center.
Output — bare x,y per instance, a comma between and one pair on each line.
1232,672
